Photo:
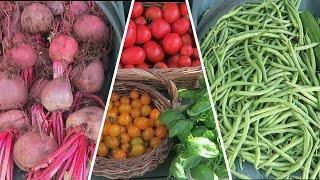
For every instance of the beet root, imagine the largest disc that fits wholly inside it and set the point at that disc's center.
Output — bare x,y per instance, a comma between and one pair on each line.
13,91
89,79
37,88
78,7
63,48
31,148
16,119
90,117
22,56
57,94
55,6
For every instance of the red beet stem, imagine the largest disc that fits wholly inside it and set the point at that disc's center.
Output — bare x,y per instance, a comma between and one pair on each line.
6,139
57,126
39,119
95,98
58,69
27,76
76,102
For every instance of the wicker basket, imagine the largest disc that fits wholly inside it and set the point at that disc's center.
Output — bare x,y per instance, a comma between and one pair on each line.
137,166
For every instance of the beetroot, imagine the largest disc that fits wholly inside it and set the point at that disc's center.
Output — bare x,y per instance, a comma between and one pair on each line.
13,91
55,6
78,7
90,28
6,140
22,56
89,79
57,95
90,117
63,48
37,88
16,119
31,148
36,18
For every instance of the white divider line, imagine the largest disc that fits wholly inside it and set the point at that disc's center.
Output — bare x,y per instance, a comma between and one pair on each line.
209,92
110,90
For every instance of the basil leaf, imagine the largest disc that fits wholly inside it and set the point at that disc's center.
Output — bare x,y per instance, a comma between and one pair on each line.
202,146
181,128
202,172
168,117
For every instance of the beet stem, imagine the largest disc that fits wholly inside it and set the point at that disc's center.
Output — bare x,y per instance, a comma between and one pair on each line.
58,69
27,76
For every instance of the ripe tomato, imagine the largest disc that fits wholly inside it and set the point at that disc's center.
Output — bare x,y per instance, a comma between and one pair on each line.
153,12
131,35
172,43
148,134
183,9
141,122
128,67
116,104
186,39
125,100
137,10
125,147
142,66
196,63
112,114
133,56
136,141
102,149
119,154
106,128
134,94
180,26
137,150
135,103
125,108
154,51
160,28
160,65
114,130
124,138
143,34
173,61
135,113
123,129
134,131
154,114
124,119
115,96
140,20
145,110
155,142
145,99
161,132
113,142
171,12
110,105
185,61
186,50
157,123
195,54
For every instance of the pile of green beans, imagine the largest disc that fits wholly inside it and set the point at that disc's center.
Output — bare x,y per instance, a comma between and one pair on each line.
262,71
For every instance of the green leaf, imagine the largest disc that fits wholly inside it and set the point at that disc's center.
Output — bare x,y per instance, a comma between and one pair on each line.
201,106
176,169
202,146
202,172
189,160
168,117
181,128
188,94
183,161
201,131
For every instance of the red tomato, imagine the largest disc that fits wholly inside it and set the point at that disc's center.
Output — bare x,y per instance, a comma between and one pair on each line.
131,35
183,9
172,43
186,39
154,51
142,66
195,53
140,20
132,56
186,50
160,65
171,12
137,10
120,66
181,26
153,12
143,34
196,63
128,67
173,61
160,28
185,61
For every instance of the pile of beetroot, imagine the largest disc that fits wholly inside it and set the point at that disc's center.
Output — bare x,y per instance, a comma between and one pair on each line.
159,36
52,60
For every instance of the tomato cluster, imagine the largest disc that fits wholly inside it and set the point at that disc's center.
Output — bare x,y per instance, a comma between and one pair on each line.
159,37
132,127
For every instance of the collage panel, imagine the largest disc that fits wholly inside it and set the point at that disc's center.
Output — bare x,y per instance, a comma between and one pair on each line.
261,60
56,65
159,122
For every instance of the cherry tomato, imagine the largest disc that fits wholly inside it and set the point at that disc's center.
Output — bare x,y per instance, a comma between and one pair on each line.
143,34
142,123
134,94
145,110
186,39
140,20
185,61
125,100
148,134
102,149
154,51
183,9
172,43
181,26
196,63
142,66
115,96
160,28
134,131
186,50
128,66
171,12
135,113
131,35
124,119
154,114
153,12
124,138
155,142
119,154
125,108
137,150
135,103
113,142
133,56
160,65
195,54
173,61
136,140
114,130
161,131
145,99
137,10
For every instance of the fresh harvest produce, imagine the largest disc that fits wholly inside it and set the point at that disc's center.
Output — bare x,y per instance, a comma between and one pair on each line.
132,127
262,68
156,34
51,78
198,153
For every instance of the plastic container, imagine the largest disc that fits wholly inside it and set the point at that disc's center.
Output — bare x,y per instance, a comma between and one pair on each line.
208,12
